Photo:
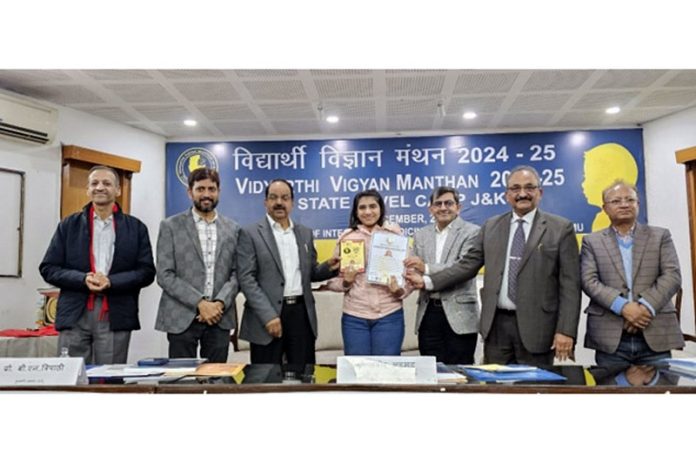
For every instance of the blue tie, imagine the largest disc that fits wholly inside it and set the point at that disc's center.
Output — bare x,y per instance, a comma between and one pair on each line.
516,251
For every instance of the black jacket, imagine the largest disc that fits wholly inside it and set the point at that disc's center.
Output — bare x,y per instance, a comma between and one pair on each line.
66,264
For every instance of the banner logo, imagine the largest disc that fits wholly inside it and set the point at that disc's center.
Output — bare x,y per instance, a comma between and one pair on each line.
192,159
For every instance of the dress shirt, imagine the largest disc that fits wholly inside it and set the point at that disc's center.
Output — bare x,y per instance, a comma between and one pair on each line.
289,257
207,234
440,239
103,241
625,243
504,301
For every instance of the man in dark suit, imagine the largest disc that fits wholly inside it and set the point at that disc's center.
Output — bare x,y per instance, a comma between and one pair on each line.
276,264
630,271
100,258
530,300
196,261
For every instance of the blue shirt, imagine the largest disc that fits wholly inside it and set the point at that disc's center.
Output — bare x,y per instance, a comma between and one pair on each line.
626,248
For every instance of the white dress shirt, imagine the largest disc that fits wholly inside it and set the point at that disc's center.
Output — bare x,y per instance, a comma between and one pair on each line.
504,301
440,239
289,257
103,243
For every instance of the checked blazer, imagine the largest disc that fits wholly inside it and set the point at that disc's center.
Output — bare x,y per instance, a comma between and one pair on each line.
181,272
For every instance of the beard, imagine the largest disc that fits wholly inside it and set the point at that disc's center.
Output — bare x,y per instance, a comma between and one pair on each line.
205,208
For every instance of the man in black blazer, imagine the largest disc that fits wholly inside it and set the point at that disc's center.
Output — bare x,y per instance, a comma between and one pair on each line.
277,263
100,258
530,300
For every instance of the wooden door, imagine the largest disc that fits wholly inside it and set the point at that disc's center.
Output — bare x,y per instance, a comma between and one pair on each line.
77,162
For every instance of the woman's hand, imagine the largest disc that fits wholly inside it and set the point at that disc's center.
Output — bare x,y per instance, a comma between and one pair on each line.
349,276
394,287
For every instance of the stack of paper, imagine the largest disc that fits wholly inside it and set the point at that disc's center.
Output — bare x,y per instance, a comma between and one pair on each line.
683,366
445,375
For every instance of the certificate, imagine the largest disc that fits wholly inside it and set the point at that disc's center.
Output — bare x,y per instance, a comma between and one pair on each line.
387,254
353,254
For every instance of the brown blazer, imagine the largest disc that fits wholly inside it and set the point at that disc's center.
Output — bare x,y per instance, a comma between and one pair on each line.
548,282
656,278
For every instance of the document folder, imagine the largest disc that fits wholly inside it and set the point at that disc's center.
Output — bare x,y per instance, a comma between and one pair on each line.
509,374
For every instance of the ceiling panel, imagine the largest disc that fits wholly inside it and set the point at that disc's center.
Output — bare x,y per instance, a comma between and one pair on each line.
540,102
245,103
628,78
550,80
118,74
207,91
414,86
141,93
602,100
485,82
344,88
229,111
276,90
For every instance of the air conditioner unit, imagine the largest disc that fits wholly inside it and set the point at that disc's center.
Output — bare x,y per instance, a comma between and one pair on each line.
26,120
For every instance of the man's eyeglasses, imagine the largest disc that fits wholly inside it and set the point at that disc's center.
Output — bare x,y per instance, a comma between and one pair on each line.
617,201
447,203
518,188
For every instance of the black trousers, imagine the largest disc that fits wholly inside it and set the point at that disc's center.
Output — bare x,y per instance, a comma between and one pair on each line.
296,344
214,341
504,345
436,337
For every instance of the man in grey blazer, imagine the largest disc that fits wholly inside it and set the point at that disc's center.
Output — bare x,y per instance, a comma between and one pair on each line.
446,321
530,300
196,268
630,272
277,264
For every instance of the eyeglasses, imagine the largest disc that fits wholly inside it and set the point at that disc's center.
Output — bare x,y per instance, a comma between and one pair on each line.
447,203
518,188
617,201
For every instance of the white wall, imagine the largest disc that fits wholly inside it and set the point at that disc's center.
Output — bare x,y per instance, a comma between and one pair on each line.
42,210
666,194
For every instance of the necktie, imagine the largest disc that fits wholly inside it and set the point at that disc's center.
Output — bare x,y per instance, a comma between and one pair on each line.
516,251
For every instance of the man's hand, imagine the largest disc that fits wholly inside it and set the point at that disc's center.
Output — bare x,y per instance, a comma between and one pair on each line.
630,328
637,315
416,263
97,282
394,287
563,345
275,328
209,312
640,375
334,262
415,278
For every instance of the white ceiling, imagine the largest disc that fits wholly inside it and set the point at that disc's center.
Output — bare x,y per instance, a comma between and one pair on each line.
279,104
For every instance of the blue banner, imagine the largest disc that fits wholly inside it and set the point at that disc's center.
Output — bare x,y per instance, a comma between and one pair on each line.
574,167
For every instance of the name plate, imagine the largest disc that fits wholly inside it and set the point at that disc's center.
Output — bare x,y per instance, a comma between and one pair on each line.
354,369
58,371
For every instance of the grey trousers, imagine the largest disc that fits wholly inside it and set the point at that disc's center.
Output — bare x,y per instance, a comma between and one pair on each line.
93,340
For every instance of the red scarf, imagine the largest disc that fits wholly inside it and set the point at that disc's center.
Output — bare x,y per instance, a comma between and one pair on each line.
92,267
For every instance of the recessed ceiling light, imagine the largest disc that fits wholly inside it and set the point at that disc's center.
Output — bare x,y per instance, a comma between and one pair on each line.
332,119
612,110
469,115
190,123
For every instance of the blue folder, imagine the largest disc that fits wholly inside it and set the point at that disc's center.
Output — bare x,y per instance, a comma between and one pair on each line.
525,373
